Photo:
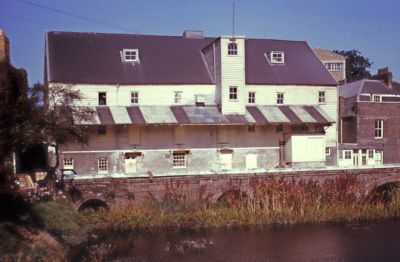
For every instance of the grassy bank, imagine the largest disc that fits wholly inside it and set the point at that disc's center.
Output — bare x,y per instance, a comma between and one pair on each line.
271,202
43,231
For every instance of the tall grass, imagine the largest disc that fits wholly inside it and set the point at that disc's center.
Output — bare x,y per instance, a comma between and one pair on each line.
271,201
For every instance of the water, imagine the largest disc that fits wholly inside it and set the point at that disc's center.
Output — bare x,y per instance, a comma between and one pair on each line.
344,242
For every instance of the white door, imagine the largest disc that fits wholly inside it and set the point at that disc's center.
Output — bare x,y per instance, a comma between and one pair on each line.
226,161
251,161
130,165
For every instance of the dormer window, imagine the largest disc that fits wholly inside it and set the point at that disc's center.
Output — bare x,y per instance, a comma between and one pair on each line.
376,98
232,48
277,57
130,55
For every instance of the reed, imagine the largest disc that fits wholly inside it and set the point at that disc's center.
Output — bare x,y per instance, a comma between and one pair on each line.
273,201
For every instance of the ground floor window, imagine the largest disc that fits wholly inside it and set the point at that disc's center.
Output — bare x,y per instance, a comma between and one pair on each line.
68,163
327,151
345,154
102,165
179,159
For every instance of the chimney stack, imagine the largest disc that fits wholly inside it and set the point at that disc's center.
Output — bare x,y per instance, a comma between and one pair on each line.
4,47
385,74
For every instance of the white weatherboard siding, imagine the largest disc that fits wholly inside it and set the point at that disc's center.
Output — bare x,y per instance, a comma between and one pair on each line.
306,148
301,95
233,74
149,95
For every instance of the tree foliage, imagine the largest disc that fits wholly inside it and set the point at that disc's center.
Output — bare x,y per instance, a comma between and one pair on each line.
60,119
357,66
16,114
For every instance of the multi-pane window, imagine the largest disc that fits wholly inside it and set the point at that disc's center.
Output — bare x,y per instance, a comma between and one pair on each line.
178,97
334,66
233,93
131,55
279,98
277,57
252,97
232,48
321,97
102,98
68,163
378,128
102,165
345,154
134,98
371,154
376,98
179,159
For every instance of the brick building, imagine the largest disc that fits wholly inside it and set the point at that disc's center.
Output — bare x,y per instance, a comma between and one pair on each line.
192,104
370,121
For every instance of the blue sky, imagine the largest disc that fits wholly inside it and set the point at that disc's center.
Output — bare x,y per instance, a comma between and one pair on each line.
373,27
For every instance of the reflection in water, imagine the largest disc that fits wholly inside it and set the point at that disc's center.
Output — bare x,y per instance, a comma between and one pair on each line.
350,242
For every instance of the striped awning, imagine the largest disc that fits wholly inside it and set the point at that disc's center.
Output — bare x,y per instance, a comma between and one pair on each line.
208,115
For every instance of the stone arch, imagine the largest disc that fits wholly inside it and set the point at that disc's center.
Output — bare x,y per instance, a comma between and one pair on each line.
236,194
93,202
384,190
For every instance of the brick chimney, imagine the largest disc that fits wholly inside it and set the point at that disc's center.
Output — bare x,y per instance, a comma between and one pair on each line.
4,47
384,74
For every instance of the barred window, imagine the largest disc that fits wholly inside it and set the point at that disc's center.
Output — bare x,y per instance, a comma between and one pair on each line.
102,165
279,98
252,97
233,93
232,48
378,128
68,163
179,159
134,98
178,97
321,97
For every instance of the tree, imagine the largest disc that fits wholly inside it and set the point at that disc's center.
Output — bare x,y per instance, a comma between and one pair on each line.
59,119
357,66
16,118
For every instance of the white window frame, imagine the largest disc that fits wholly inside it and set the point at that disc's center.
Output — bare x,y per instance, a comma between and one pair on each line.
134,97
179,160
321,97
378,129
334,66
99,98
233,93
178,97
376,98
371,154
277,57
347,154
251,98
68,163
102,165
232,48
327,151
280,98
130,55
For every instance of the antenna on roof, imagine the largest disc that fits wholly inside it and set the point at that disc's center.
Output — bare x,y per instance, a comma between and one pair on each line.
233,20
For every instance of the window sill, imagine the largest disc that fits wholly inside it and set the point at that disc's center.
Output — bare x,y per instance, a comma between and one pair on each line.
179,167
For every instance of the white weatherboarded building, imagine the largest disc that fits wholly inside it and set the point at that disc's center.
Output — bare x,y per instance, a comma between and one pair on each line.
195,105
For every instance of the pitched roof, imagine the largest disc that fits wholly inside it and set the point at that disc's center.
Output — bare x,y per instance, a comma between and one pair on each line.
94,58
301,67
367,86
327,55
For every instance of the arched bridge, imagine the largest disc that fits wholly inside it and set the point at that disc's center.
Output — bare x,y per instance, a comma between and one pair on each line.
113,191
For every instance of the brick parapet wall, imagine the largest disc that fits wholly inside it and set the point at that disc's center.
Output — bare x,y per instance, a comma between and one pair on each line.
118,191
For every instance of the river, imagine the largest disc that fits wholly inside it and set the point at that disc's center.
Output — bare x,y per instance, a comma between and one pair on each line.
340,242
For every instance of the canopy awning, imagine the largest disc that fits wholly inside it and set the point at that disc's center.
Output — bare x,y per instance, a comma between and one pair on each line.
208,115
